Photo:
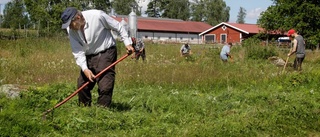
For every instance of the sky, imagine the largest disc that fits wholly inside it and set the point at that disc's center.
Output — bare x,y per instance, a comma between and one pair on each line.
253,8
2,3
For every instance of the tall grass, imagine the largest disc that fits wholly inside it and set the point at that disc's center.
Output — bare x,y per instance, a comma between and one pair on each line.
167,95
36,61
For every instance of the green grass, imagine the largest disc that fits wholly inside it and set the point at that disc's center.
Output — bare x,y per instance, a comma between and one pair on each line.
165,96
18,33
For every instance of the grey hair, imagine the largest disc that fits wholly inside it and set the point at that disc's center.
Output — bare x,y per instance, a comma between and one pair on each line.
77,14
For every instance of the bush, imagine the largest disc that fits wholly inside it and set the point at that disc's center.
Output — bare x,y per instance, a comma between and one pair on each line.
255,50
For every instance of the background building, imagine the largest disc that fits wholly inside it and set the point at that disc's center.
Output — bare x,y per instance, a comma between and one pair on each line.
229,32
167,30
233,32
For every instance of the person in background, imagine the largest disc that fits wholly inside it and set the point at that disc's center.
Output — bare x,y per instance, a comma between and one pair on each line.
94,49
225,52
298,49
185,50
139,49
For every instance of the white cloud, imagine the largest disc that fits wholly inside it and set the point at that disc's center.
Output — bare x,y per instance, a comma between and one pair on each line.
255,13
144,5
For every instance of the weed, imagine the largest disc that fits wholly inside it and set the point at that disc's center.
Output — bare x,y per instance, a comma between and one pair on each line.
255,51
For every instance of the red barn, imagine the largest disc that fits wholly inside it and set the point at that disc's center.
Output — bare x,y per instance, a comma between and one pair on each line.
229,32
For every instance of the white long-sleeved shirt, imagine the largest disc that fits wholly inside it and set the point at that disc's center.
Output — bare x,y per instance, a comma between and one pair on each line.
98,36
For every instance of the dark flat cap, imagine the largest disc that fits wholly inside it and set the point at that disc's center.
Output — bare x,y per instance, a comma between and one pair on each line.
67,16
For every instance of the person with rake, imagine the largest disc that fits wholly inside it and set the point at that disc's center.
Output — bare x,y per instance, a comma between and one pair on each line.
139,49
94,48
225,52
185,50
298,49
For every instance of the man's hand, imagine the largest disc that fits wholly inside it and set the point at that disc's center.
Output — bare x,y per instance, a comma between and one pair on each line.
130,49
289,54
89,74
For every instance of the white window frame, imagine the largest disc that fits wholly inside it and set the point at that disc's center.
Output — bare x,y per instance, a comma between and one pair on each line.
226,37
214,39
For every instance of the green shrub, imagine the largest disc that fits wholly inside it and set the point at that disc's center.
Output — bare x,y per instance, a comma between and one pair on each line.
254,49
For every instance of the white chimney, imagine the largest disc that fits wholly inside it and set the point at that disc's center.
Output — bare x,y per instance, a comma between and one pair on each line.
133,24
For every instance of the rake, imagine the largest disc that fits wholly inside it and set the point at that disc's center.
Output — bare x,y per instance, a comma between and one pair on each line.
84,85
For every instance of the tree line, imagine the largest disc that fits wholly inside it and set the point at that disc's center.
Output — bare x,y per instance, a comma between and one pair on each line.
45,14
302,15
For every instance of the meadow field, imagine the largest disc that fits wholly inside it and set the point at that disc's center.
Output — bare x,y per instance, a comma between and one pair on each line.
167,95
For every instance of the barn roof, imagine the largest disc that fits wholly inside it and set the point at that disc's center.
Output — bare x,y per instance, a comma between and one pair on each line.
244,28
167,25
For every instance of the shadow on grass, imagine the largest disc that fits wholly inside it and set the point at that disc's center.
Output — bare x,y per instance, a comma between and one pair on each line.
120,106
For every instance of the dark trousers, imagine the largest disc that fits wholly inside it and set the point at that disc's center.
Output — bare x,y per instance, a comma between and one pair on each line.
298,63
96,63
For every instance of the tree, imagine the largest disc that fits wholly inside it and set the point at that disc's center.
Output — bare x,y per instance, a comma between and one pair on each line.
153,9
241,15
302,15
104,5
198,11
124,7
1,19
14,15
212,12
45,14
178,9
